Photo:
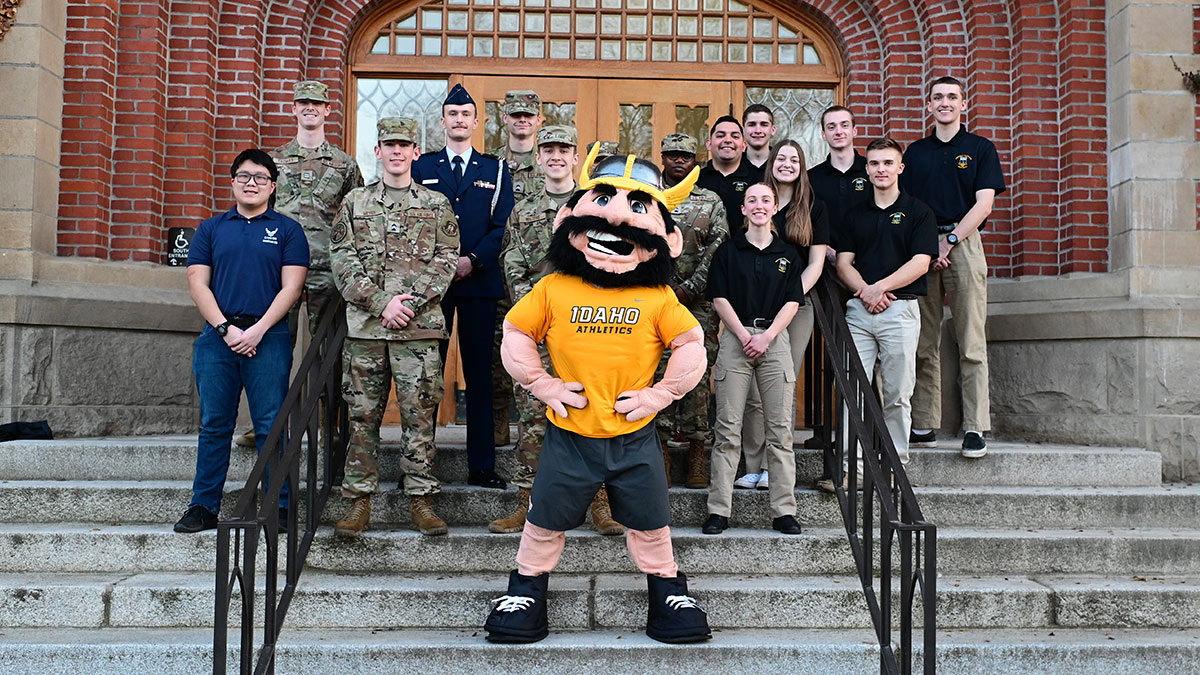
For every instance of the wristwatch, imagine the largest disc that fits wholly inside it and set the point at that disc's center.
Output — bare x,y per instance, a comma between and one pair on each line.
952,239
223,329
474,260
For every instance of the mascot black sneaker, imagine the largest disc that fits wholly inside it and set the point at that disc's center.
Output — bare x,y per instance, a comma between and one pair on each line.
673,616
519,616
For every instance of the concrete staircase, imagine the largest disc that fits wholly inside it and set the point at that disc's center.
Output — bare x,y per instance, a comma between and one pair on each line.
1053,559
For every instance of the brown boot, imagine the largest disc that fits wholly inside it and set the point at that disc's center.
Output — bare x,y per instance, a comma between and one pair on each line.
667,462
246,440
502,435
357,518
515,521
697,475
602,518
424,519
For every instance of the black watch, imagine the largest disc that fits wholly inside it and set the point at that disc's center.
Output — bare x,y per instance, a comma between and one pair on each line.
952,239
223,329
474,260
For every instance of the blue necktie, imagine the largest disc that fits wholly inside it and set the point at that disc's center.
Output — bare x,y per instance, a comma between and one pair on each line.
457,163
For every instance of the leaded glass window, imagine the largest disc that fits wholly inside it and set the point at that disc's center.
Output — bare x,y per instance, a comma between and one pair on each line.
418,99
797,115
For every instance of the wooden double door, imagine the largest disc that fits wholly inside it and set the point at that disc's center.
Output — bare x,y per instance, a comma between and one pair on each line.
634,113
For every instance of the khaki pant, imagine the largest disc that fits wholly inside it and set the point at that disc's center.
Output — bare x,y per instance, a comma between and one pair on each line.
889,338
753,445
965,283
775,376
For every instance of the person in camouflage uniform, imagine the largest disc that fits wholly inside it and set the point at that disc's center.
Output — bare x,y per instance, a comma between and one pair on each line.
523,259
394,247
521,116
702,219
314,177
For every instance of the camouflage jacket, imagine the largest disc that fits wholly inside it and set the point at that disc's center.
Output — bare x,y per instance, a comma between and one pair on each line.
311,186
380,249
527,176
527,241
702,219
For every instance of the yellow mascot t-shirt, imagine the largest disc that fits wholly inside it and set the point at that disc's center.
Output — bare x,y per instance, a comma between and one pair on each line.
608,339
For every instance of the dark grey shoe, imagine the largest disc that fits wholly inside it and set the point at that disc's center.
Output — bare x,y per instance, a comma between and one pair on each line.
786,524
925,440
673,616
715,524
196,519
520,614
973,446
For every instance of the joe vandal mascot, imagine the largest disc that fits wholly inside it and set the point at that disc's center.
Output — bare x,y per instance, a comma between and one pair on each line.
606,314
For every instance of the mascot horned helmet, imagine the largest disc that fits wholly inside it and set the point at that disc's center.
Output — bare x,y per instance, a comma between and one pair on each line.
619,224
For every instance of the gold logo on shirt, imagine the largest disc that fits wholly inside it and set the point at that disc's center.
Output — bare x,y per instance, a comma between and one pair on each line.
897,217
962,161
859,184
605,319
783,264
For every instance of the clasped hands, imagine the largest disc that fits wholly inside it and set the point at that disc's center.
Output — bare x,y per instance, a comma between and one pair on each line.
397,315
635,404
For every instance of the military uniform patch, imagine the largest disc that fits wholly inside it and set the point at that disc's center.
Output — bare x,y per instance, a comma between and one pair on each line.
339,233
450,227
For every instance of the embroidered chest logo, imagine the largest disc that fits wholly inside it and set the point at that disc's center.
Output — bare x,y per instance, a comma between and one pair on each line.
782,265
963,160
859,184
897,217
614,320
269,236
740,185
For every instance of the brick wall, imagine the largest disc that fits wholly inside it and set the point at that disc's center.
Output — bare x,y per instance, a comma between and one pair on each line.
160,96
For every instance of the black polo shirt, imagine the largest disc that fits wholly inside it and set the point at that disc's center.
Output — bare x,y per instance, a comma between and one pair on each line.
760,168
731,189
757,283
820,226
947,175
882,240
841,191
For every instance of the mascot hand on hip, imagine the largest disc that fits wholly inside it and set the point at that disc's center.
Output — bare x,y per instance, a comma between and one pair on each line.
606,314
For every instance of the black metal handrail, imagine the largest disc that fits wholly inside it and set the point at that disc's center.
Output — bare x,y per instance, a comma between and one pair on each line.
312,427
886,490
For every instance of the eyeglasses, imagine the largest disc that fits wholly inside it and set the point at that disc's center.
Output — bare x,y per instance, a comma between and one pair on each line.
258,178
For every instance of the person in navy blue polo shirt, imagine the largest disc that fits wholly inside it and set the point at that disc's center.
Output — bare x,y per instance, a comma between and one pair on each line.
480,190
246,268
958,175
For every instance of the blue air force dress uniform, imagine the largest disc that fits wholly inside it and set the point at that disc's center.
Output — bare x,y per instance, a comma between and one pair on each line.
482,198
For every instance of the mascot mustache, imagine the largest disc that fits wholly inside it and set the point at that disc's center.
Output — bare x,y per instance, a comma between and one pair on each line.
569,260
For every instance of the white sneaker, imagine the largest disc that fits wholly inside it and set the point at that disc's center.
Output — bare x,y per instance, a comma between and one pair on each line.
762,481
746,482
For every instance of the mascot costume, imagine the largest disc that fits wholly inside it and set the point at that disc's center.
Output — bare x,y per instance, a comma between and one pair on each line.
606,315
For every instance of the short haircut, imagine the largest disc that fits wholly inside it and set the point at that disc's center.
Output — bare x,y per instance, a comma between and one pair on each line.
726,118
946,80
758,108
257,156
885,143
837,108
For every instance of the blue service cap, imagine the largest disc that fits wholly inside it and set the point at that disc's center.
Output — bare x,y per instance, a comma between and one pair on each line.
458,96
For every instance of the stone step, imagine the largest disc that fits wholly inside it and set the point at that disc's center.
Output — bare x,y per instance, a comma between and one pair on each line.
86,547
597,602
317,652
162,501
174,458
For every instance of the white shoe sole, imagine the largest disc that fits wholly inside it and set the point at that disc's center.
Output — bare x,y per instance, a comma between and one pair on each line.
974,454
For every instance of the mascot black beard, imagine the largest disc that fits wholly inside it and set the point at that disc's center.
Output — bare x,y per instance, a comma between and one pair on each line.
606,315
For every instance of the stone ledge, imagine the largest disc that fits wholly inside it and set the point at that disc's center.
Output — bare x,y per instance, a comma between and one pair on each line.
91,305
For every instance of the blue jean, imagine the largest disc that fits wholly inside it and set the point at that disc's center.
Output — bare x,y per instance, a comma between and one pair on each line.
220,377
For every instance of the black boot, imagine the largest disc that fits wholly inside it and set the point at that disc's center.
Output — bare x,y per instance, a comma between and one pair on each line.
520,615
673,616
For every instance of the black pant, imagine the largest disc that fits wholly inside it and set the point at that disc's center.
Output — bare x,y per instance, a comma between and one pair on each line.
476,326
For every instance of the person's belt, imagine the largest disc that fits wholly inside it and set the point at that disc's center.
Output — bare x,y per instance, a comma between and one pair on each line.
758,323
943,229
242,321
906,296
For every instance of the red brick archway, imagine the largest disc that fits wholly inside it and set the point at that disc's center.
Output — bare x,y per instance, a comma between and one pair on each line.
159,97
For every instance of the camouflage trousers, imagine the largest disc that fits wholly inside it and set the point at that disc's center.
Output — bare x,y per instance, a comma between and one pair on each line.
688,417
531,429
502,384
321,294
416,368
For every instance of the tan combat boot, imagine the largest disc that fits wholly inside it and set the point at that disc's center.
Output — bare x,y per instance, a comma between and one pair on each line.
515,521
246,440
697,475
602,518
424,519
667,462
357,518
502,435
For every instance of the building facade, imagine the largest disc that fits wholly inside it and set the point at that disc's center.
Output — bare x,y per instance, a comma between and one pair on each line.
121,117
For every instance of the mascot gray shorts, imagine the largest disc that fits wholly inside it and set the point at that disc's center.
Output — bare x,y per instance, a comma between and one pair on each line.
572,468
